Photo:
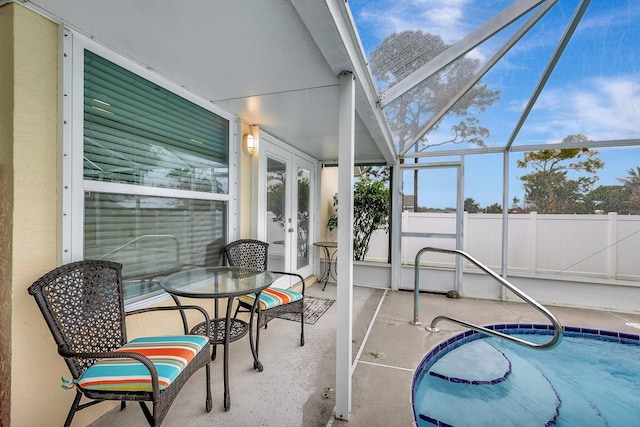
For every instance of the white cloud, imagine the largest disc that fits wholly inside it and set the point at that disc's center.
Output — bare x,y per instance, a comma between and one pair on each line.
602,108
450,19
442,17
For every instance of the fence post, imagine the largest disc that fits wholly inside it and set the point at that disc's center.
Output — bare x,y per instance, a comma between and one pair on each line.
612,246
405,227
533,242
465,237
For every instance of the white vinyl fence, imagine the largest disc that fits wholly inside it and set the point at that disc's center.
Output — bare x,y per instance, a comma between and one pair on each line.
594,246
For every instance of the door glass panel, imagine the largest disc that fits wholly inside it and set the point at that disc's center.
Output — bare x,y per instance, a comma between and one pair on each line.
276,213
304,202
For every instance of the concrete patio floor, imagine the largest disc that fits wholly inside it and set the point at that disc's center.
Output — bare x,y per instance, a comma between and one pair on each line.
297,386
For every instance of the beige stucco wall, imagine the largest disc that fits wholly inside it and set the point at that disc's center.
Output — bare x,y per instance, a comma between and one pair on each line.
6,205
329,187
29,193
249,169
33,244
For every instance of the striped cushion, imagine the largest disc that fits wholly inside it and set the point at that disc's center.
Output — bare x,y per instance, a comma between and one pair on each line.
272,297
169,354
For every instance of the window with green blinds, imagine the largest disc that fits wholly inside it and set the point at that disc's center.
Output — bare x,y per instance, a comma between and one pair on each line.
140,134
136,132
152,236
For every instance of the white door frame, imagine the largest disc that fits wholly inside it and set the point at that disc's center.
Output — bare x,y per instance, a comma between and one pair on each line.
458,236
271,146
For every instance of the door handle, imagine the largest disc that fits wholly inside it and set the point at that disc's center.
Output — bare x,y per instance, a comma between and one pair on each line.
290,230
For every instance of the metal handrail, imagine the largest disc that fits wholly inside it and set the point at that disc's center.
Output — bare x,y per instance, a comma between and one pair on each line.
557,327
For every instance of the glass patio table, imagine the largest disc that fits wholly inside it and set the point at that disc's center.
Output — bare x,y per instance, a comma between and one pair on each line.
216,283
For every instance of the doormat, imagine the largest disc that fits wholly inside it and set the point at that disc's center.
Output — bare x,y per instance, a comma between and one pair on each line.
314,308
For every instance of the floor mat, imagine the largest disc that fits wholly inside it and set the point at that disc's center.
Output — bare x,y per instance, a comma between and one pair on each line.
314,308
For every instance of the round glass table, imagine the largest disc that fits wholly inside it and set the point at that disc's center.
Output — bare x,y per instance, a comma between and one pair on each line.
216,283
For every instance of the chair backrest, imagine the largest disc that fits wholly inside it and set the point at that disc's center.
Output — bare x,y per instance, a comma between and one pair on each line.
214,255
83,305
247,253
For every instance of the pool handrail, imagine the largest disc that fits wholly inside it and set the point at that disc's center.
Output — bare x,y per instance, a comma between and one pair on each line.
557,327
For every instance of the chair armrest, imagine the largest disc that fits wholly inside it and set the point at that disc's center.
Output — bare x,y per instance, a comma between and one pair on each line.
292,274
155,386
177,307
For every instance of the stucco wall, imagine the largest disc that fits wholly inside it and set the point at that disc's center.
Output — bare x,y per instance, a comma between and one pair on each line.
247,205
36,398
6,204
329,187
33,245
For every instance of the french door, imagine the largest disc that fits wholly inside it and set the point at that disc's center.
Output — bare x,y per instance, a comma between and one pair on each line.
286,199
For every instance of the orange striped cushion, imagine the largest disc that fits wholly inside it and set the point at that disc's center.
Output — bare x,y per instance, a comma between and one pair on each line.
170,355
272,297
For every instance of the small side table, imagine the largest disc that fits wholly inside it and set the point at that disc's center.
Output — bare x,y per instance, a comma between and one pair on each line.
329,257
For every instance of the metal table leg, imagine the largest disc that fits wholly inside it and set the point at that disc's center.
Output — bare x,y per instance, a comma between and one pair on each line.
328,272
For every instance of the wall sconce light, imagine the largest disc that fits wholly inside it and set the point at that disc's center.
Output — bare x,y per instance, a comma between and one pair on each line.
250,144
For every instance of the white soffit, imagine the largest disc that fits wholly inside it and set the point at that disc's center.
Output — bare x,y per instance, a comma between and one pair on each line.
255,59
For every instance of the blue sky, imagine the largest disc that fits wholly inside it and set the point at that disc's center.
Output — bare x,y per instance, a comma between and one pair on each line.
594,90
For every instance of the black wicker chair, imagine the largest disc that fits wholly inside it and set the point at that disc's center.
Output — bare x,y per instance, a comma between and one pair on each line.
83,305
254,254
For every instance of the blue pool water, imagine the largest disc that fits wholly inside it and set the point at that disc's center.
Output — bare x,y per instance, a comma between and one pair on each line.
591,379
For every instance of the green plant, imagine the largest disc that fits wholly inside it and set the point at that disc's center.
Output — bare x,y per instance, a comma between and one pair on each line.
370,213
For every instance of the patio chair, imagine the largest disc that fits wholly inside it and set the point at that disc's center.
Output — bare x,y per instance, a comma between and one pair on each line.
273,301
83,306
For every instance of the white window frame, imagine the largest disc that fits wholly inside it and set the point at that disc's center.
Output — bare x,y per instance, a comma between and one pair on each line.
73,185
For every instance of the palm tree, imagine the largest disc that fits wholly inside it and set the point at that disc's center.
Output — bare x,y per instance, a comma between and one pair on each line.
633,178
631,191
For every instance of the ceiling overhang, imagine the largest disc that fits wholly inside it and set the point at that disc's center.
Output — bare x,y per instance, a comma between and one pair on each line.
273,64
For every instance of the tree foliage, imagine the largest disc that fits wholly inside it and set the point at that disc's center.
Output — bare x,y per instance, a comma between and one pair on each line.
605,198
370,213
548,188
471,206
630,192
399,55
494,208
515,204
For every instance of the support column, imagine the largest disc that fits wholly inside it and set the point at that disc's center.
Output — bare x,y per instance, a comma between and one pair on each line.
505,222
344,300
398,223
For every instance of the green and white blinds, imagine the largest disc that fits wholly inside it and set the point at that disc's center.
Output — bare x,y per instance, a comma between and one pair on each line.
137,132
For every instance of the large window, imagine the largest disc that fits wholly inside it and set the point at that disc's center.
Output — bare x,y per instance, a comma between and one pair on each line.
155,178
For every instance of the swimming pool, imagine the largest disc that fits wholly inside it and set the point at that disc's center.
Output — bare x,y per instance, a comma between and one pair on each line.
591,379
